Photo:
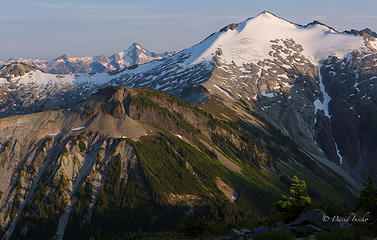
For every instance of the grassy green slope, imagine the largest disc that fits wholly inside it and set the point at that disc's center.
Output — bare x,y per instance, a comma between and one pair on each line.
177,176
267,157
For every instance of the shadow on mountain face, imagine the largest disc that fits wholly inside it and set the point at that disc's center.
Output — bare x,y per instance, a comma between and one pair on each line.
27,105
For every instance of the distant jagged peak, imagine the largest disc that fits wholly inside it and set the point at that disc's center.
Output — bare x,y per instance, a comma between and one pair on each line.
370,32
136,54
366,32
316,23
136,45
64,57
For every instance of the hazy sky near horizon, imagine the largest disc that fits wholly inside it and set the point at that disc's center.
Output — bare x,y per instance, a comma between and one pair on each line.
50,28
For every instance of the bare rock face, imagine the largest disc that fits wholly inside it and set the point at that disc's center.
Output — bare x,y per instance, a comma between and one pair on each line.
50,157
351,84
15,70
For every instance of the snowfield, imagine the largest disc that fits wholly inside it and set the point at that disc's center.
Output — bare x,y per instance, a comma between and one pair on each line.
322,105
250,42
40,78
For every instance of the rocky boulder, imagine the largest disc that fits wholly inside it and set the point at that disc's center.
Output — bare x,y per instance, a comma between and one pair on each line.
316,221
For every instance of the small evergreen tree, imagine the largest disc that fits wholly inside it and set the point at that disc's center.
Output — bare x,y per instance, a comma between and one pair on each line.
298,200
367,200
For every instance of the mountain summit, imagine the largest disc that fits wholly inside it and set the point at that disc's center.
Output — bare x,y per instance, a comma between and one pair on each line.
250,40
369,31
135,54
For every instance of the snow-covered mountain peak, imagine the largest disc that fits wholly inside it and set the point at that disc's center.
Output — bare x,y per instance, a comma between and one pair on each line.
252,40
266,16
135,54
134,46
134,49
63,57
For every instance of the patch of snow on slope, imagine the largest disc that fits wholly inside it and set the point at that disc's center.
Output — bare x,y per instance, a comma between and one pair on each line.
355,86
318,105
78,128
338,153
283,76
3,81
358,83
226,93
288,85
55,134
374,44
94,79
270,94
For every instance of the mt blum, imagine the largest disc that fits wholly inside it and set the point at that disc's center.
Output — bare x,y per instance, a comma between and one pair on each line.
215,130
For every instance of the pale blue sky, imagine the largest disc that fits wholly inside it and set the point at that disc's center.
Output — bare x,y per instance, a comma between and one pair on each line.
50,28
